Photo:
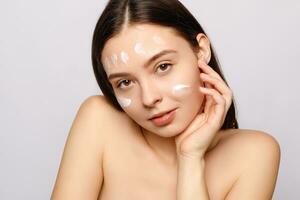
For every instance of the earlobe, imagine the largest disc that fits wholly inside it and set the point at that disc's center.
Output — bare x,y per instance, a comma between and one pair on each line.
204,52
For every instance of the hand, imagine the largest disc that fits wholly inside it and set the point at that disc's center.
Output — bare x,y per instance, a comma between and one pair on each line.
195,140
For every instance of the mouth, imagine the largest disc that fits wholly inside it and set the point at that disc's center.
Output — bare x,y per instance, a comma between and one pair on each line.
161,114
164,118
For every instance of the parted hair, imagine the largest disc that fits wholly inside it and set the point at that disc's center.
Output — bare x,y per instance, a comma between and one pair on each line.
170,13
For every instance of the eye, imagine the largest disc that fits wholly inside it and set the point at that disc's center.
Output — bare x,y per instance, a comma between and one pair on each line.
126,82
164,66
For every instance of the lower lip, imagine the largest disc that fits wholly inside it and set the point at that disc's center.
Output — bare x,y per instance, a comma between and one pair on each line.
165,119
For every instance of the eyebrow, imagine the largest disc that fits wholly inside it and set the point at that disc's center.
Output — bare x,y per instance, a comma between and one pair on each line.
152,59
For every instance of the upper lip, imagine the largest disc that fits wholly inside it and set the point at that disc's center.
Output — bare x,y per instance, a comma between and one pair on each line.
160,114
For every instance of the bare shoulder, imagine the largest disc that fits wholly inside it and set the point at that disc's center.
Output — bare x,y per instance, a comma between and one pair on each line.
102,121
93,116
257,157
97,104
251,138
250,141
99,112
80,174
105,115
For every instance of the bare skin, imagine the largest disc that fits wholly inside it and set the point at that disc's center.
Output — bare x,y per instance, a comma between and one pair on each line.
106,157
109,156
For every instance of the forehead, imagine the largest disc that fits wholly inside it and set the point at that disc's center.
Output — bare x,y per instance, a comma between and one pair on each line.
151,36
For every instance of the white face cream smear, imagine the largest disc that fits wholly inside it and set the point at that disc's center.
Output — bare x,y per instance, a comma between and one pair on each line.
124,57
180,88
158,40
139,49
114,59
124,102
107,64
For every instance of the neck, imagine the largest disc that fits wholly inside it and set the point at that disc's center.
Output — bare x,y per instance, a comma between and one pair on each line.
163,147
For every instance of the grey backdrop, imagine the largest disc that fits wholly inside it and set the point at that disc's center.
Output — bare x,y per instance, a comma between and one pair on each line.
46,73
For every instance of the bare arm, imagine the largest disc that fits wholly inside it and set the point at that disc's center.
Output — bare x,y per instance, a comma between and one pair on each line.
262,159
80,174
191,183
259,154
262,152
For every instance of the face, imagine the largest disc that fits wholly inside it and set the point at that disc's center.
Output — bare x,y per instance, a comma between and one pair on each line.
145,84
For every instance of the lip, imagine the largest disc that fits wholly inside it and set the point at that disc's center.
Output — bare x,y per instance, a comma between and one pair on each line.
165,118
161,114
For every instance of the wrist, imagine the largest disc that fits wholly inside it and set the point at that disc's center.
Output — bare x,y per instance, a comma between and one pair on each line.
191,161
190,156
191,182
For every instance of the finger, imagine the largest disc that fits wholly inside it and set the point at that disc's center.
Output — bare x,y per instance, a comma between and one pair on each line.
219,102
209,103
206,103
227,105
209,99
208,85
207,69
216,113
220,86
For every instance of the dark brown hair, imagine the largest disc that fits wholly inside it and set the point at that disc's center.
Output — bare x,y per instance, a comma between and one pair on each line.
170,13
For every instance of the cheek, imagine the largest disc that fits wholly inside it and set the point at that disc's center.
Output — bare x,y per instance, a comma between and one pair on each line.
186,91
184,85
181,90
129,106
125,103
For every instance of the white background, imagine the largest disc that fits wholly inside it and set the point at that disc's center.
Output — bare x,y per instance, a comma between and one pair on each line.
46,73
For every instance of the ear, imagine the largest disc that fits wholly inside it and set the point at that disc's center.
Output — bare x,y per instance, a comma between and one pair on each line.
204,52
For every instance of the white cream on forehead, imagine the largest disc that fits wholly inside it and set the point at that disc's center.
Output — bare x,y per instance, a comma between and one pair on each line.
114,59
180,88
139,48
158,40
124,57
124,102
108,64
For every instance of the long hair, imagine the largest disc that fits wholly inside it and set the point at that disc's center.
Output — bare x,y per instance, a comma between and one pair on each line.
170,13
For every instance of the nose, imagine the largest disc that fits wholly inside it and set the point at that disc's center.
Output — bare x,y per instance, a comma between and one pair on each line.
150,94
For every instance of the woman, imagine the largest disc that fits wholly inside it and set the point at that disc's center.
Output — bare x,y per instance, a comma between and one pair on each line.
166,126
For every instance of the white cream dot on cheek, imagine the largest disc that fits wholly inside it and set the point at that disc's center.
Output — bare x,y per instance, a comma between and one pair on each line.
124,57
124,102
139,48
180,88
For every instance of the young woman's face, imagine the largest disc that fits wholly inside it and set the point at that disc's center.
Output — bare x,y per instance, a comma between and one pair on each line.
145,86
